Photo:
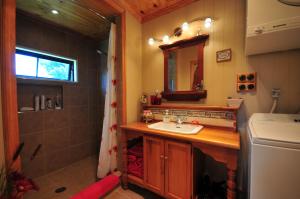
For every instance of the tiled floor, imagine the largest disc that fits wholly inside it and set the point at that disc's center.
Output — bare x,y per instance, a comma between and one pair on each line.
120,193
75,177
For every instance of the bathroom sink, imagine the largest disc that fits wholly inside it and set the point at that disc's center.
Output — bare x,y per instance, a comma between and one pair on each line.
176,128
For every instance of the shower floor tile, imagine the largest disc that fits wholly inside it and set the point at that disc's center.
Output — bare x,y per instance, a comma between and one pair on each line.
74,177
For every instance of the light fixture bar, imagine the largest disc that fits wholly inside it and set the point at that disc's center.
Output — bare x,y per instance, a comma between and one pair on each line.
184,27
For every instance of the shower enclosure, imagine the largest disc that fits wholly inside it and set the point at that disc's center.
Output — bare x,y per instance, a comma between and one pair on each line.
60,141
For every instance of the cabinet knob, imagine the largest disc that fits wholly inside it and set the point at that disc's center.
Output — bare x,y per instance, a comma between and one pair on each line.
161,156
166,157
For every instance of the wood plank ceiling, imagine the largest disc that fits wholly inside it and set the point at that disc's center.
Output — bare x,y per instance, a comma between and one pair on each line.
73,15
145,10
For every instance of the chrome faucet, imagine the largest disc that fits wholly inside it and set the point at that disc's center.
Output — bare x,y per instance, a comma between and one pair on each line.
179,120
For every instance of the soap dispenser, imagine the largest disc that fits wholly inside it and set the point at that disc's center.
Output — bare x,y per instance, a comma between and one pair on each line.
166,117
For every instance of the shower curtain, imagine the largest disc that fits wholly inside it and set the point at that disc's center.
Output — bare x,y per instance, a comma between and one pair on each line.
108,146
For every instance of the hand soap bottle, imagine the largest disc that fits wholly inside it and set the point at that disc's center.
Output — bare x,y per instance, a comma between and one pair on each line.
166,117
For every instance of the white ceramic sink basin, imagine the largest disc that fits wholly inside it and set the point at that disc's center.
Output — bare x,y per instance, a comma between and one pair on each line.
176,128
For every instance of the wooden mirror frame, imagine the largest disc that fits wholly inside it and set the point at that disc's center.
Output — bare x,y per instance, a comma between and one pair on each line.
191,95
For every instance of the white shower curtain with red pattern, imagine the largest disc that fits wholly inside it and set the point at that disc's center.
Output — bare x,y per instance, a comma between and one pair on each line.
108,148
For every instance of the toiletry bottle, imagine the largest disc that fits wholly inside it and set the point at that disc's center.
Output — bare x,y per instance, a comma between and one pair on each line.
43,102
166,117
36,103
49,103
57,102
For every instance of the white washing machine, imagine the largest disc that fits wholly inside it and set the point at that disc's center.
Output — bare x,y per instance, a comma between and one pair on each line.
274,156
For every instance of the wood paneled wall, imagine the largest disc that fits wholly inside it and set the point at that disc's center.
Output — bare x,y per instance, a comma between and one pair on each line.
275,70
133,67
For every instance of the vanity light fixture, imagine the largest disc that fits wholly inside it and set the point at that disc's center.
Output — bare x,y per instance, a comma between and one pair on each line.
166,39
185,26
55,12
151,41
207,22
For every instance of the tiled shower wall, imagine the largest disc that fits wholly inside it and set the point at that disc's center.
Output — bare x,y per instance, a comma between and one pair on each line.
73,133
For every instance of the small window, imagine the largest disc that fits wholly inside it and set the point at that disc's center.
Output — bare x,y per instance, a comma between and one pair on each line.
37,65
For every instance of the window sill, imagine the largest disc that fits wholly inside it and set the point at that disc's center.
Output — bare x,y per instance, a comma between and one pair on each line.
46,110
21,80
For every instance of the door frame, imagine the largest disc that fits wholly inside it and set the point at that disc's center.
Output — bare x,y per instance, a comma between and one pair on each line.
8,78
8,81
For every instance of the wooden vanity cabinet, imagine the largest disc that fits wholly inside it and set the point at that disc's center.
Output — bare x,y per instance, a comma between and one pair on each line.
178,170
168,163
154,164
167,167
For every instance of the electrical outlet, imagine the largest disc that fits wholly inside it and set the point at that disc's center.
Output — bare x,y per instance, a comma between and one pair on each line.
276,92
246,82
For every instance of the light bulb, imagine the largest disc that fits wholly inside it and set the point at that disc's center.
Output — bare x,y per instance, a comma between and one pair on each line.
185,26
55,12
207,22
151,41
166,39
207,25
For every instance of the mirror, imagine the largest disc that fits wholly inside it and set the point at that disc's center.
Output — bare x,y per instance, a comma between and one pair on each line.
183,68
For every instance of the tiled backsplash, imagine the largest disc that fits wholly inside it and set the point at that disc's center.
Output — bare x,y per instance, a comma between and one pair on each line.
220,118
197,113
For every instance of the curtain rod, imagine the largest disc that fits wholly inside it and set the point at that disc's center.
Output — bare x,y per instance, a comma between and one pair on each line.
91,10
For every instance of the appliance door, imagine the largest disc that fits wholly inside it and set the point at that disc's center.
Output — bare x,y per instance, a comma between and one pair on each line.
274,172
249,149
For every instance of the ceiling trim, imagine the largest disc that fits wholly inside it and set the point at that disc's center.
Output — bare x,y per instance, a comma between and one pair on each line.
166,10
131,10
142,18
115,5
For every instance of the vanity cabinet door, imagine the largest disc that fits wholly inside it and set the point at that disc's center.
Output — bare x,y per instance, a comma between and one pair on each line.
178,179
154,164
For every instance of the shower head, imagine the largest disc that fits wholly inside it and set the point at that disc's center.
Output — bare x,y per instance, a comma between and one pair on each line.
101,52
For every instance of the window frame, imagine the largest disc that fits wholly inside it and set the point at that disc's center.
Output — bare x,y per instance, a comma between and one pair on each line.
51,57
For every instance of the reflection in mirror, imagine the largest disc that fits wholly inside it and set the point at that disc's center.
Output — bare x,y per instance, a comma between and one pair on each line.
172,71
182,69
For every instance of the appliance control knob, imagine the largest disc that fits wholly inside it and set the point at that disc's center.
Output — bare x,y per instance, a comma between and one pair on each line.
250,77
242,78
242,87
250,86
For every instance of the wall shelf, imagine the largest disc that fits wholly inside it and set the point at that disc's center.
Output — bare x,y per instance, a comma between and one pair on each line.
27,92
184,95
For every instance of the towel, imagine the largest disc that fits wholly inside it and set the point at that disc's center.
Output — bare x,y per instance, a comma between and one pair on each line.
136,151
98,189
136,168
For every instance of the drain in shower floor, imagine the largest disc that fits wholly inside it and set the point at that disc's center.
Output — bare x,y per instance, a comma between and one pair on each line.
60,189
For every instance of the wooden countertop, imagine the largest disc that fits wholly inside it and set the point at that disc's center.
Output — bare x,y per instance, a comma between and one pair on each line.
209,135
